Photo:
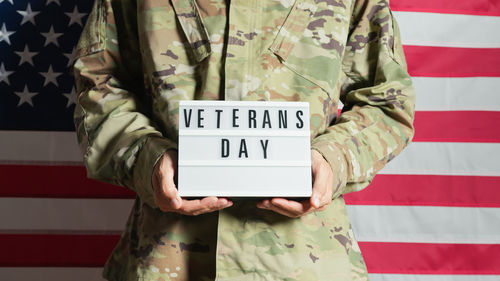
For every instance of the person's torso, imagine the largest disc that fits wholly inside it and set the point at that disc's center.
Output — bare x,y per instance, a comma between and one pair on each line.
272,51
268,51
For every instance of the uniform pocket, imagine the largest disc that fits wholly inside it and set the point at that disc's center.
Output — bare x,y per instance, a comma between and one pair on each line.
192,24
93,37
311,41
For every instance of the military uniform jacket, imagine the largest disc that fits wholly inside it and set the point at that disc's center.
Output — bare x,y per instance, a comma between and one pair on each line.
137,59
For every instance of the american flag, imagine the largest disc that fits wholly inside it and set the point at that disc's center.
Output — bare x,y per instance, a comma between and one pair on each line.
432,214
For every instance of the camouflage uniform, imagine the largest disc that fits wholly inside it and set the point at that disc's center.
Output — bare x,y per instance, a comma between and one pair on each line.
137,59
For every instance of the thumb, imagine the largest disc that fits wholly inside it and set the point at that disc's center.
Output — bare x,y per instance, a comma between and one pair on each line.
166,174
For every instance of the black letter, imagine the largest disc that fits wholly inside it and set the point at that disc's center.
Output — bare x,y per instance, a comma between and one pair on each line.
264,148
283,118
243,148
251,119
187,118
235,117
224,148
266,119
218,117
300,124
200,118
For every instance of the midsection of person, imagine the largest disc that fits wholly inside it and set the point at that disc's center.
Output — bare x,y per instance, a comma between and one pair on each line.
242,242
264,51
271,52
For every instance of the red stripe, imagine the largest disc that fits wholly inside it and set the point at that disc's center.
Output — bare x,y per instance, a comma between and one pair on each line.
429,190
55,250
452,62
423,258
461,126
55,182
457,126
468,7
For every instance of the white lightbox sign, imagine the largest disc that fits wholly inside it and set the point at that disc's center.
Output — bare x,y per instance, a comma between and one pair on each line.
244,149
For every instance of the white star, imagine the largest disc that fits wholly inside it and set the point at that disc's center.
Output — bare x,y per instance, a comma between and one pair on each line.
25,96
71,97
50,76
55,1
75,17
11,1
4,74
28,15
4,34
71,57
51,37
26,56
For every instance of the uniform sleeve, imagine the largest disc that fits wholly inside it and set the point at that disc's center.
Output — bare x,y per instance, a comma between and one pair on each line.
376,122
119,140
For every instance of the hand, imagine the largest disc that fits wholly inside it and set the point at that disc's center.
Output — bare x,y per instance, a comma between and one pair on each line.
167,197
321,192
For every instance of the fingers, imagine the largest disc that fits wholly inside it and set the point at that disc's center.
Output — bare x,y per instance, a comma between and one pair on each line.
321,189
191,207
288,208
205,205
322,180
170,201
321,192
170,191
166,196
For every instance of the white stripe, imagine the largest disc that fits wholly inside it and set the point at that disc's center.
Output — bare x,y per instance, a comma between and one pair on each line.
258,133
448,30
51,273
425,224
47,214
431,277
39,146
471,93
370,223
447,158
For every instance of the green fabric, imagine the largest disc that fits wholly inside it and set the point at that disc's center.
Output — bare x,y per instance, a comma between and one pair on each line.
151,54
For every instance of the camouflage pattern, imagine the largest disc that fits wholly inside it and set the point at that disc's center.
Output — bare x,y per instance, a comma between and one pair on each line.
137,59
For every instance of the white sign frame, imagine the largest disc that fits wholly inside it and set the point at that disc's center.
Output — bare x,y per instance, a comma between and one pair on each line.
267,154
